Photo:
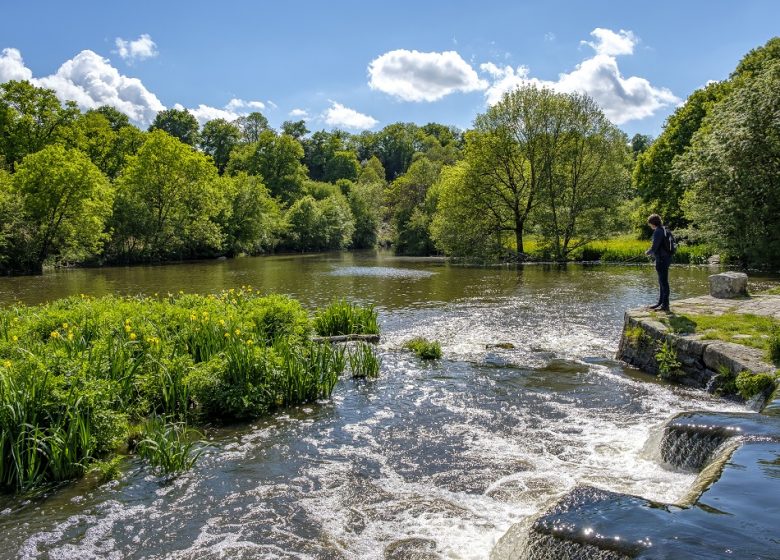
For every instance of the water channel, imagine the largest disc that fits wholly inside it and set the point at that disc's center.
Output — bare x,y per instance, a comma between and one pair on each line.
437,460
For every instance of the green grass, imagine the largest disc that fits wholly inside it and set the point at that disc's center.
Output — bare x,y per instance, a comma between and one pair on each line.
75,374
363,361
424,348
342,317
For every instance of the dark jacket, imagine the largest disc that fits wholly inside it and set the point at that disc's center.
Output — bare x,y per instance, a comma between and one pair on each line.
659,249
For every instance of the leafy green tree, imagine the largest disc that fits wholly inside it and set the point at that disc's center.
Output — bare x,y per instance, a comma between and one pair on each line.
317,225
218,139
251,126
116,119
30,118
342,165
319,149
296,129
65,201
758,59
732,172
640,143
168,202
653,177
277,159
252,221
372,171
395,147
410,216
179,123
365,202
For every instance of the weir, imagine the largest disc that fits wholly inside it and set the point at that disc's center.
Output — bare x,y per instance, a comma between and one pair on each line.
732,509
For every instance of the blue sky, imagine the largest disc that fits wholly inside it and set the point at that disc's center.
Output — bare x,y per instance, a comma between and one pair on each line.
367,64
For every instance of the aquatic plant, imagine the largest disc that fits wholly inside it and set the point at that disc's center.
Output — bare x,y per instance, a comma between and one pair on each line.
751,384
169,447
363,361
424,348
668,364
342,317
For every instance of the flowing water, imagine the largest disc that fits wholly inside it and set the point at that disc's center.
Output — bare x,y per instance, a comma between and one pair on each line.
430,460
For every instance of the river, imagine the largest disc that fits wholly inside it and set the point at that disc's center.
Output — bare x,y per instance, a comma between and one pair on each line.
430,460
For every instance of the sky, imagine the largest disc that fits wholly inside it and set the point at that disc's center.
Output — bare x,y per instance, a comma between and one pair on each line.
361,65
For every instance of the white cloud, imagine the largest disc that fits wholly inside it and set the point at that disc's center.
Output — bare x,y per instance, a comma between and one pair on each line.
300,114
612,44
139,49
621,98
91,81
339,116
422,76
234,109
549,36
12,66
272,105
239,105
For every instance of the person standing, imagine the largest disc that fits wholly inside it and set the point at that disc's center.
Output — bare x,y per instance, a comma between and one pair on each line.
662,254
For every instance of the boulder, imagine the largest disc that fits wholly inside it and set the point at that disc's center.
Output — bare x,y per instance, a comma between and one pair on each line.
728,284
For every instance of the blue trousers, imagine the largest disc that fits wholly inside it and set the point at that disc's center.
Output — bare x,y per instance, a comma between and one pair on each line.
662,264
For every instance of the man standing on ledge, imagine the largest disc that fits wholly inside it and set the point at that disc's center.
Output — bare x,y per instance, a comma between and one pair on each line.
663,258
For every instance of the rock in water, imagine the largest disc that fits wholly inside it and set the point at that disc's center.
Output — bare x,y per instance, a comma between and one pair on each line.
728,284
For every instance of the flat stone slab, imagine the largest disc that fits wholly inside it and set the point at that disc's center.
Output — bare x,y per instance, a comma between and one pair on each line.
765,305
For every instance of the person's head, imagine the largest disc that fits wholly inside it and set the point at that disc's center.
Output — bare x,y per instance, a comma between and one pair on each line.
654,221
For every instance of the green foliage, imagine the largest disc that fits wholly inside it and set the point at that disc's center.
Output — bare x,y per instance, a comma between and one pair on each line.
342,317
424,348
168,201
342,165
731,172
253,221
668,364
75,371
635,335
168,447
251,126
757,331
773,346
365,201
217,139
319,225
751,384
411,209
363,361
64,202
179,123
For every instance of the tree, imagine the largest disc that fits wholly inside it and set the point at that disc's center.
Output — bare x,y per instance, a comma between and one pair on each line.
395,146
252,220
168,201
317,225
116,119
372,171
410,216
296,129
65,201
652,177
319,149
277,159
218,139
640,143
365,202
179,123
251,126
342,165
732,172
30,118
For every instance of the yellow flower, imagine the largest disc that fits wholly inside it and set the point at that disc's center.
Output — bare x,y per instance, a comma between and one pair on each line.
70,336
15,338
64,325
7,364
222,322
227,334
133,336
233,301
128,328
54,334
127,321
250,342
192,317
238,332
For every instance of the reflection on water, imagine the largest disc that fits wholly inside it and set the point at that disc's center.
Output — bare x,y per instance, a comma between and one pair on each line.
435,458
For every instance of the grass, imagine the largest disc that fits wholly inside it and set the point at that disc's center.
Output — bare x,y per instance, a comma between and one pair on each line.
741,328
77,373
424,348
342,317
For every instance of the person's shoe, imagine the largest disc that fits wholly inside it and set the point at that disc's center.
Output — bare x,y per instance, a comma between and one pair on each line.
654,307
665,309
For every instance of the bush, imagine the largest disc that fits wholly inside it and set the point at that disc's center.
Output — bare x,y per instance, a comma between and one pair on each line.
773,349
751,384
668,364
342,317
425,349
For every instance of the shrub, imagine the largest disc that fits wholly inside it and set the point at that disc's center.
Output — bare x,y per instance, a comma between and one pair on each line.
668,364
773,349
425,349
751,384
342,317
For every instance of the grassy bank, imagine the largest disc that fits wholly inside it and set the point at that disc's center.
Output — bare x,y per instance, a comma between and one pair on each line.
83,378
620,249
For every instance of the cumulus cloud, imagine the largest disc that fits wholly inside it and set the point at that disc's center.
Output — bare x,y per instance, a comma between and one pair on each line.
239,105
422,76
612,44
12,66
621,98
299,114
234,109
91,81
139,49
337,115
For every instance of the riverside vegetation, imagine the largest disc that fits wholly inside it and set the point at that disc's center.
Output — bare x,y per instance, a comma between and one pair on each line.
541,176
83,378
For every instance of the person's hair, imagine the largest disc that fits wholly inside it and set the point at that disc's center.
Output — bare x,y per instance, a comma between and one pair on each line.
655,220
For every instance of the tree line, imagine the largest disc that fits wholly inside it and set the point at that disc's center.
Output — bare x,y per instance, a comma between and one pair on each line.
92,188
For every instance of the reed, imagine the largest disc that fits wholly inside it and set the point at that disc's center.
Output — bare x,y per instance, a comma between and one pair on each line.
363,361
169,447
342,317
